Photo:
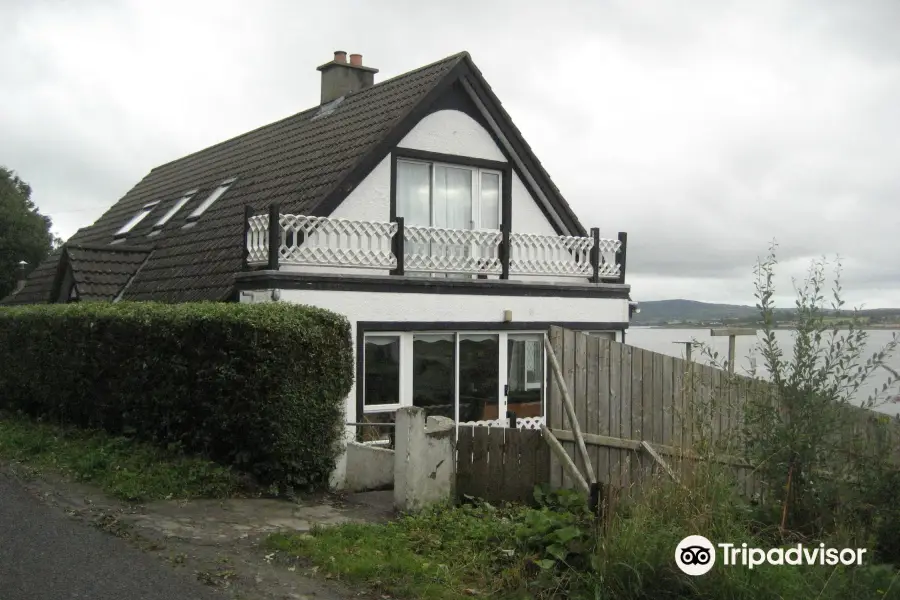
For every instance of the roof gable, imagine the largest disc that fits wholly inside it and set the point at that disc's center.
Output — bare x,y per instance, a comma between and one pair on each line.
308,163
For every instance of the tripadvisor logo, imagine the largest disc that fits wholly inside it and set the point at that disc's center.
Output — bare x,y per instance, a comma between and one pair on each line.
696,555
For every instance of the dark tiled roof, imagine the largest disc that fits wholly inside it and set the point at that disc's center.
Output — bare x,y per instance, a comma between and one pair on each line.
305,163
296,162
39,285
100,273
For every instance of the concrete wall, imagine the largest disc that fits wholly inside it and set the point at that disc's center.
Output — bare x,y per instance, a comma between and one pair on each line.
424,460
421,469
368,467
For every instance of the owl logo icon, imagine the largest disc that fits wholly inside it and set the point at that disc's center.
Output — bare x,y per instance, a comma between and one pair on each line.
695,555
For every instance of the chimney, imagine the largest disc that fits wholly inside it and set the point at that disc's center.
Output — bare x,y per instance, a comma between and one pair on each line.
21,274
340,78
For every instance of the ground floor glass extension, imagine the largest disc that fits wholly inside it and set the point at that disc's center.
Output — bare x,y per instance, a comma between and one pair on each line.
470,377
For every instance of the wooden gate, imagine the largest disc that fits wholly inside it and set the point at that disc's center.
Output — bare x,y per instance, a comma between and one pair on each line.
500,464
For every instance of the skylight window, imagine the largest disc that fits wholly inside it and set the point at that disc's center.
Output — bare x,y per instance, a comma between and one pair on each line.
136,219
179,204
215,195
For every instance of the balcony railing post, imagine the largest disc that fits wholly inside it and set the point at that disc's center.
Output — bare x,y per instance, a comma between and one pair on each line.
620,255
274,235
595,255
398,246
245,256
505,251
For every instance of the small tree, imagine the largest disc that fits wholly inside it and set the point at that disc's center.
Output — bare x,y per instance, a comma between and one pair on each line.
24,232
811,441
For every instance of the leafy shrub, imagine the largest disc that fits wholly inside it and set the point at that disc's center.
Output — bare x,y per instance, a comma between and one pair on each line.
259,387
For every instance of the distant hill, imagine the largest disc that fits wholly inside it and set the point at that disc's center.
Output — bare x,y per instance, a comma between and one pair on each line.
668,311
679,312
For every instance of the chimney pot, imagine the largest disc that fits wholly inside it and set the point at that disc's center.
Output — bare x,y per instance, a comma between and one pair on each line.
340,56
356,60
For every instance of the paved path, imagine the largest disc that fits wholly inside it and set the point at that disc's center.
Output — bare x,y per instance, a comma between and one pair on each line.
46,555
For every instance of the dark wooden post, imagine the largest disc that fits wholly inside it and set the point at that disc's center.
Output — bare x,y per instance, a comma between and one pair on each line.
596,499
274,235
505,251
398,247
620,255
512,419
595,255
248,213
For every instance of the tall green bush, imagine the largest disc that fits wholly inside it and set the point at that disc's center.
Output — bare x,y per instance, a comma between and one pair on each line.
260,387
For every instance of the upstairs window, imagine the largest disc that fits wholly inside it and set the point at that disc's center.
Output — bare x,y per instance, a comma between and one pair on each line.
215,195
179,204
135,219
451,196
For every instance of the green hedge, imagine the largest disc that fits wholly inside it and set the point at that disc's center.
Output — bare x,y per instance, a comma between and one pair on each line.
260,387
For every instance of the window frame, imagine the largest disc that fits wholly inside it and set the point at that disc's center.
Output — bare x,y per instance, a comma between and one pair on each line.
406,370
361,377
475,173
213,197
133,222
173,210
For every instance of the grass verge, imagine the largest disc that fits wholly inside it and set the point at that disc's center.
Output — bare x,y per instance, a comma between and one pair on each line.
558,551
129,470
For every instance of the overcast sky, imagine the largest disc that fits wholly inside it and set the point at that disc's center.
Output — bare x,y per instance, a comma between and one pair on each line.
704,129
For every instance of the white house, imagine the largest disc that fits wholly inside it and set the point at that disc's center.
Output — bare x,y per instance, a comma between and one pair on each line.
414,207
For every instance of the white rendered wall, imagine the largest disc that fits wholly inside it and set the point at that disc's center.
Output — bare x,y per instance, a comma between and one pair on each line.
443,308
452,132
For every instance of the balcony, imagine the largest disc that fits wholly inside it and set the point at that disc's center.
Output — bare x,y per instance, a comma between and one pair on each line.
273,240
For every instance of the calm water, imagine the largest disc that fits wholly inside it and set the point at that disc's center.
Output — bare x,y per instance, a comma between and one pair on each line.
662,341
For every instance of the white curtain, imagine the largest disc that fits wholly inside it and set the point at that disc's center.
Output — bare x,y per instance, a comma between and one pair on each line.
452,197
490,201
516,365
413,193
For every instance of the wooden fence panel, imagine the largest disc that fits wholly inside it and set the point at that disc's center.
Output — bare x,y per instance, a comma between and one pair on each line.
580,389
555,404
614,475
668,368
647,416
568,369
498,464
593,407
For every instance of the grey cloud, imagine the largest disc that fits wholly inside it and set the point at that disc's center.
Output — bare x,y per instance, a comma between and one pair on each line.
704,129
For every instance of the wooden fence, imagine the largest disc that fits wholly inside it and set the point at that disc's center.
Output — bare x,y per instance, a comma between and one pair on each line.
495,463
623,397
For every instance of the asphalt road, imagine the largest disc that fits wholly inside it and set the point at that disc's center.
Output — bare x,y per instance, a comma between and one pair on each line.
44,555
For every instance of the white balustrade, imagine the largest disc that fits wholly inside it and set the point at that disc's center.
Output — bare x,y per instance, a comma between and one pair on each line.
567,256
609,269
521,423
258,240
461,251
535,254
322,241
